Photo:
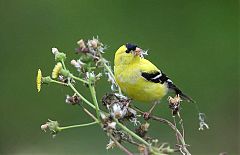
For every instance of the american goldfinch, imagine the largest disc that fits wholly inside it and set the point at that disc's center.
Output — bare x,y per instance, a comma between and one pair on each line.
139,78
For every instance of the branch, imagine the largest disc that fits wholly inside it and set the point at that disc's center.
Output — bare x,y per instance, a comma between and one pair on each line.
178,133
120,145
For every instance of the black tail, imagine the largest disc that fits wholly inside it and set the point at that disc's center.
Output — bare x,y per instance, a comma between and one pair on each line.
179,92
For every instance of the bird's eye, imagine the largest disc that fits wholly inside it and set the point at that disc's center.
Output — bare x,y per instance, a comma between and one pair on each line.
130,47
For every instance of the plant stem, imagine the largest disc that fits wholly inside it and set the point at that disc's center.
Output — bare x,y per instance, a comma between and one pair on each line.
58,82
109,70
175,124
90,114
111,73
178,133
72,76
64,67
131,133
83,98
94,98
79,79
118,123
120,145
181,123
76,126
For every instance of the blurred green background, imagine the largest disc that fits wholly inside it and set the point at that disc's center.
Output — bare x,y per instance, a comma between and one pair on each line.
194,42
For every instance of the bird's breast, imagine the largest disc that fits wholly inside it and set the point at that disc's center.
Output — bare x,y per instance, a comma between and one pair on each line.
135,86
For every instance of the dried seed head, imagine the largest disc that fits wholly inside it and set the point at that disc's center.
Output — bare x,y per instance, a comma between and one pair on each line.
112,125
72,100
110,145
93,43
81,44
174,100
174,104
82,47
142,130
117,111
142,149
74,63
52,126
118,106
44,127
77,64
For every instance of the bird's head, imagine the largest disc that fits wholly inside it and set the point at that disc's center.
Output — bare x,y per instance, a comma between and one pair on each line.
126,53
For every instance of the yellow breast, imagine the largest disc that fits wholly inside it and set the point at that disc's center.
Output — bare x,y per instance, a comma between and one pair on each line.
135,86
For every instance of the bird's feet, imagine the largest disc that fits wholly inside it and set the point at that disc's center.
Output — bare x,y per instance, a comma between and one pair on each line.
146,115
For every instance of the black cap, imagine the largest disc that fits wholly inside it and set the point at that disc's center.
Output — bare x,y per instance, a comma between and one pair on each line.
130,47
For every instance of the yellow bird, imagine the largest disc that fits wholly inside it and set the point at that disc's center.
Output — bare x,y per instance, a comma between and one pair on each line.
139,78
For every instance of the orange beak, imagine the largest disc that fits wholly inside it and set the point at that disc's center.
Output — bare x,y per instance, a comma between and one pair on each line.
137,52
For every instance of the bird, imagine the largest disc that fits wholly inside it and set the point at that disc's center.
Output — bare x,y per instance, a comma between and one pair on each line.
141,80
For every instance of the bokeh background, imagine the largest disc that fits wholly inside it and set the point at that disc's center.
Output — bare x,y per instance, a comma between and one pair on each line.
194,42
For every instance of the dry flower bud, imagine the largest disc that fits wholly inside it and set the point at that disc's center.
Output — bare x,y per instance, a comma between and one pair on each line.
53,127
44,127
77,64
112,125
81,44
142,149
73,100
142,129
174,100
110,145
74,62
118,111
174,104
55,50
94,43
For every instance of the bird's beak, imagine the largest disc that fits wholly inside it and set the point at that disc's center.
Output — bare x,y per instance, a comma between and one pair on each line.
137,52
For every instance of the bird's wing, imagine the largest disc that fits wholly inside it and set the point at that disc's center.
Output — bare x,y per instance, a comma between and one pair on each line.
156,77
152,74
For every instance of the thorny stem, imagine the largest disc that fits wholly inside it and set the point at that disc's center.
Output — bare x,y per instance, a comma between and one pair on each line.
120,145
131,133
178,133
93,93
76,126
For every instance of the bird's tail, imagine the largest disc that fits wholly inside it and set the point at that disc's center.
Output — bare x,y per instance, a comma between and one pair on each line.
186,97
180,93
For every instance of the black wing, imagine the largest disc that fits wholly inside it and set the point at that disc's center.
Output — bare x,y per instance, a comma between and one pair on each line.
160,77
156,77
